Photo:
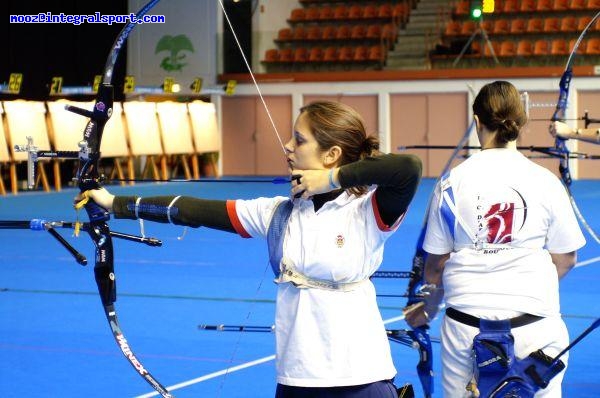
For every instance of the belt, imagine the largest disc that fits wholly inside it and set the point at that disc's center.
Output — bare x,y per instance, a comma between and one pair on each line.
473,321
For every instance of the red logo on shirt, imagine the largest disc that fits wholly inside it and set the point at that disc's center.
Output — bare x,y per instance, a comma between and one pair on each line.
500,222
339,241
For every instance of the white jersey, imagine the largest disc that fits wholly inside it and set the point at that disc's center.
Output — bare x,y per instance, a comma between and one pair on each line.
509,215
327,338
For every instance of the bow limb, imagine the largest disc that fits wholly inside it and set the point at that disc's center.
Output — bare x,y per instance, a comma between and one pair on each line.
560,145
88,178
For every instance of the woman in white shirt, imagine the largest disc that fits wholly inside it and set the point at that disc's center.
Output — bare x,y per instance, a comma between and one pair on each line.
501,233
330,338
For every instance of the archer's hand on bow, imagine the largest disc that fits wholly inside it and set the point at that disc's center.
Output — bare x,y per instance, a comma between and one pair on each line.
307,183
100,196
425,311
560,130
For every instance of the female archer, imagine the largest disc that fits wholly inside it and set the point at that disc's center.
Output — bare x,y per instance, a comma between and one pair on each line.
348,200
501,234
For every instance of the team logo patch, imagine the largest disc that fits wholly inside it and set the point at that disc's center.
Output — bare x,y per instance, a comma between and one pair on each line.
339,241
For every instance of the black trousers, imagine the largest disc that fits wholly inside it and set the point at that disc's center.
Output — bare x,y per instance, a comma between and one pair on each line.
379,389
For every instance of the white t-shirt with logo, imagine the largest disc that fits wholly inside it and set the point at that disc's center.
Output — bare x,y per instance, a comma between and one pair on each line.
327,338
519,213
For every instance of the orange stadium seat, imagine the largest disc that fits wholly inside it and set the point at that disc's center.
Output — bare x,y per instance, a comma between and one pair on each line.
312,14
502,26
298,15
328,32
488,26
511,6
559,47
462,8
528,5
326,13
385,11
507,49
284,34
355,12
580,49
592,4
300,55
390,33
361,53
340,12
346,54
315,55
330,54
577,5
551,25
299,33
583,22
374,31
376,54
313,33
568,24
343,32
560,5
535,25
592,47
286,55
272,55
544,5
518,26
452,28
358,32
400,13
524,48
495,45
467,28
370,11
540,47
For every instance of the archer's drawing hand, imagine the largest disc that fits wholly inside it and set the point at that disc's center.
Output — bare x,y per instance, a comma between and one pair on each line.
560,130
415,315
100,196
307,183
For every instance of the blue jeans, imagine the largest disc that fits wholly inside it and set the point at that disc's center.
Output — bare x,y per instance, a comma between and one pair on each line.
379,389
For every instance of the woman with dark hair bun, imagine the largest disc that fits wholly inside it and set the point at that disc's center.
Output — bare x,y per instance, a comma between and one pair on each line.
501,233
324,244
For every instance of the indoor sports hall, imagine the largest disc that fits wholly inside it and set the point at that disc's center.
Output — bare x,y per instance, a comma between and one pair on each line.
199,98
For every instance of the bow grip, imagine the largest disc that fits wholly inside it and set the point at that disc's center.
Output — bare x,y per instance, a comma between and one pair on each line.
96,212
